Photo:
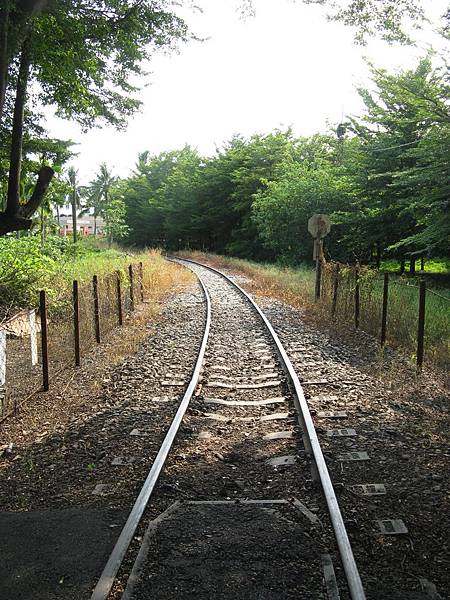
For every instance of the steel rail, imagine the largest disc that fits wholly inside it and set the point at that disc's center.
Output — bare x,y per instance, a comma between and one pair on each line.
106,581
345,550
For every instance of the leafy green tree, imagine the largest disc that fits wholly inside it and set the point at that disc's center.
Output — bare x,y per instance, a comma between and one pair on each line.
80,57
314,183
145,216
388,19
115,212
402,162
97,194
238,171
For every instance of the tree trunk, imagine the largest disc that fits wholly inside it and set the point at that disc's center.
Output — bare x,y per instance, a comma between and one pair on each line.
412,265
45,176
402,266
15,163
4,62
14,29
95,225
58,217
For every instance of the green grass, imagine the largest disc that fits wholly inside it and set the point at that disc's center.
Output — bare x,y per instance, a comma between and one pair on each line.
432,265
26,267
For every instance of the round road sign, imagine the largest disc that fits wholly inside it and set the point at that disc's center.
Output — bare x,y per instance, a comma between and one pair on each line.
319,225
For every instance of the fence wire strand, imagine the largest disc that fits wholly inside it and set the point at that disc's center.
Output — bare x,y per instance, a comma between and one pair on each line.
23,379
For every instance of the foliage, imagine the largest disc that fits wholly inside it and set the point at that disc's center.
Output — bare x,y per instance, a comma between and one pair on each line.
104,197
382,177
80,57
314,184
403,161
386,18
25,268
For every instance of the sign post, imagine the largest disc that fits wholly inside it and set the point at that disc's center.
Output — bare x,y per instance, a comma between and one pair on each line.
318,226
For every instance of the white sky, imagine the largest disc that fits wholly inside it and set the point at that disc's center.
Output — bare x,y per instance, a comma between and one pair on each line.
287,66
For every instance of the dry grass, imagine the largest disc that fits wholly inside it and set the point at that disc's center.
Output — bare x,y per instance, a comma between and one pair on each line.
296,287
160,277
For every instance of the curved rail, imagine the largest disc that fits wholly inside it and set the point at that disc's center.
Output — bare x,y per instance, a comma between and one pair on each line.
106,581
345,550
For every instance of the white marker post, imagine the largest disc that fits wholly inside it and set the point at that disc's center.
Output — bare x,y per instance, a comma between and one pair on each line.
2,370
318,226
33,338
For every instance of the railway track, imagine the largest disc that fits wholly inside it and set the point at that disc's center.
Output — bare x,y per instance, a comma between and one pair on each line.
254,512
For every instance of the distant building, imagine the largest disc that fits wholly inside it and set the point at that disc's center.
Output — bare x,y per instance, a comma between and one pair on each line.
85,225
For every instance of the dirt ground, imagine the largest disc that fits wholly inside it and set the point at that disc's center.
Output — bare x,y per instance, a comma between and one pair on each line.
55,452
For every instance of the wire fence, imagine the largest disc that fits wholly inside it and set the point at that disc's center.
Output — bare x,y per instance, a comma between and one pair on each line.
415,317
39,343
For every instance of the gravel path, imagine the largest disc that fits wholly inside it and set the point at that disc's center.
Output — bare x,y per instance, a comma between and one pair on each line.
240,441
222,453
94,466
401,422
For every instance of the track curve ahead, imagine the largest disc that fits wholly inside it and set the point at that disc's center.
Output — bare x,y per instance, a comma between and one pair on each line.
246,371
312,445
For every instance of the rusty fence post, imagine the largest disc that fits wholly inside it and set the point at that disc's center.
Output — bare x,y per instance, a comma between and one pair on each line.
76,322
130,275
141,280
96,308
44,340
357,307
119,299
384,309
421,325
335,290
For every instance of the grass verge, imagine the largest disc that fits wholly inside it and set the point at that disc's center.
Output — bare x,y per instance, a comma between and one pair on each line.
296,287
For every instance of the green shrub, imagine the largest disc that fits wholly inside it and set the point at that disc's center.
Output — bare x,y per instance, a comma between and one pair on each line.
26,267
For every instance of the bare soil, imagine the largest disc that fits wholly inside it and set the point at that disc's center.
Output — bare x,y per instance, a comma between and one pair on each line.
55,453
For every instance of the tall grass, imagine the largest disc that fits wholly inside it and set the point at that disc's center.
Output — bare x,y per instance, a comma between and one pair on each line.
293,285
159,277
296,286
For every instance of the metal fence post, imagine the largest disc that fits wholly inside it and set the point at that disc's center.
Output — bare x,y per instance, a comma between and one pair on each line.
421,325
384,309
130,274
119,299
141,280
96,308
335,290
44,340
76,322
357,297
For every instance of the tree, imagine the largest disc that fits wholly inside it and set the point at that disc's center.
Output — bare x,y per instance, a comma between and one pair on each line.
313,183
80,57
403,161
230,180
387,19
98,194
74,196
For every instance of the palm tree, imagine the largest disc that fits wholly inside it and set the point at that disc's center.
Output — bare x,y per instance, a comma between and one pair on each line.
98,194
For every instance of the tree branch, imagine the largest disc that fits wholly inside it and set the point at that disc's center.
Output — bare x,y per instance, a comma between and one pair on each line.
45,176
22,220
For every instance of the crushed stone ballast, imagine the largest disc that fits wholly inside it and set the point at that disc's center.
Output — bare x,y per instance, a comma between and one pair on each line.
241,409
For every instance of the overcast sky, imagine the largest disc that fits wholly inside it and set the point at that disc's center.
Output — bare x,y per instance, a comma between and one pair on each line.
286,66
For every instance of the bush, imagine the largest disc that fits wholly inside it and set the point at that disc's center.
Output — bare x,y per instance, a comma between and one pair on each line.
26,267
